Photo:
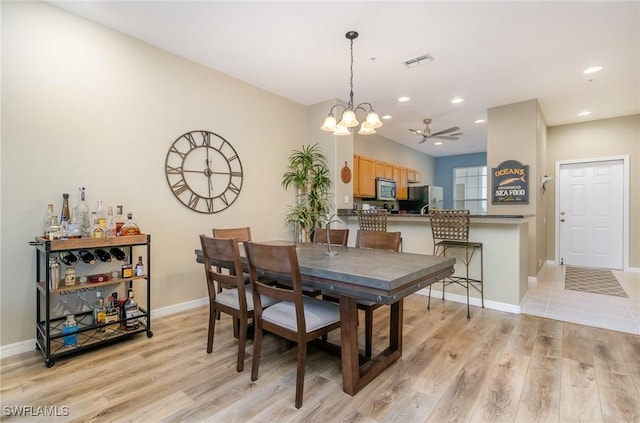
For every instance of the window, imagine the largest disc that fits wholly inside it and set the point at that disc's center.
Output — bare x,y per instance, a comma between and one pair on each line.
470,190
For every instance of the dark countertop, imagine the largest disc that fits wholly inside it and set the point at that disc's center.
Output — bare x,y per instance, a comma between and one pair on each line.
350,212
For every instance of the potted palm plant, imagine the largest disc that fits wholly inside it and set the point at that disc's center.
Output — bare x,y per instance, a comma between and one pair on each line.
308,172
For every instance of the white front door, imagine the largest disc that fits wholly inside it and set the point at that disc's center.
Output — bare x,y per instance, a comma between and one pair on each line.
591,207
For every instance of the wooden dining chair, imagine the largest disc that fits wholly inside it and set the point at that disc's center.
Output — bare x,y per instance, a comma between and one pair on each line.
295,317
377,240
233,296
239,234
337,236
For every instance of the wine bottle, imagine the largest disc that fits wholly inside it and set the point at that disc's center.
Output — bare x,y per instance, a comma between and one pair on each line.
68,258
118,254
103,255
87,257
84,216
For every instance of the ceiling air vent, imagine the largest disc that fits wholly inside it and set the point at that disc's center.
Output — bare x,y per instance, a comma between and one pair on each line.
421,60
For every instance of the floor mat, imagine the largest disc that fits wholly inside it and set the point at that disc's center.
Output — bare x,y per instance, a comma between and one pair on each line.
596,281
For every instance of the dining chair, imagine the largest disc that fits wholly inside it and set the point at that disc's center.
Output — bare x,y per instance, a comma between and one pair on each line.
295,317
377,240
337,236
450,230
372,220
235,299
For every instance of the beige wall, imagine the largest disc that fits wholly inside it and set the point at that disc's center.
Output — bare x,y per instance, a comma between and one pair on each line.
86,106
595,139
518,132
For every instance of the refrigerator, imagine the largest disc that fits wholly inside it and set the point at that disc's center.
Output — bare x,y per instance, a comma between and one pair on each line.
430,196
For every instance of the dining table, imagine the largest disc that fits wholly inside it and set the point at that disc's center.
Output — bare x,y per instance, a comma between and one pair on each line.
353,274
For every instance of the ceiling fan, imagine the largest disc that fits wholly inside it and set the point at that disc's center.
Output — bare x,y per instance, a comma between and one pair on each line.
445,134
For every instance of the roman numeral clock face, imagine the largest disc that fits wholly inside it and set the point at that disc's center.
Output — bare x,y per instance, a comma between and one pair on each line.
204,171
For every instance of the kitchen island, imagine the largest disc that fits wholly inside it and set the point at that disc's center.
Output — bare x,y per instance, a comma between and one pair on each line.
506,250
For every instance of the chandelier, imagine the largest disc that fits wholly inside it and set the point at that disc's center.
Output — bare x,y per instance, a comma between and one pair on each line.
348,118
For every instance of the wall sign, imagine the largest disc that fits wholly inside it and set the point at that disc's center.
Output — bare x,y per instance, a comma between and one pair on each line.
510,183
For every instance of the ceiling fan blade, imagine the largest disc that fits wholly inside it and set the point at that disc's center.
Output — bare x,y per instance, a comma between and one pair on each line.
423,140
446,137
446,131
416,132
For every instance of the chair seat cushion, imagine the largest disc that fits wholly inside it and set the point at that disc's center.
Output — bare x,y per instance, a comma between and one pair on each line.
317,313
229,297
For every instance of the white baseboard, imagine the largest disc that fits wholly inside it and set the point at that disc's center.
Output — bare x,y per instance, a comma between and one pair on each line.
532,279
30,344
475,301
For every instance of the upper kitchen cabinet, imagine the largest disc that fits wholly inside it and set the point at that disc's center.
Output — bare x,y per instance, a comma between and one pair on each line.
400,176
356,173
414,175
366,177
380,167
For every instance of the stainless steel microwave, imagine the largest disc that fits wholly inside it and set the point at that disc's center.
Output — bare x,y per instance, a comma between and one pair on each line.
385,189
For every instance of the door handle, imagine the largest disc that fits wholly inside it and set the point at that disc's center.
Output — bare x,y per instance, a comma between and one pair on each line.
561,220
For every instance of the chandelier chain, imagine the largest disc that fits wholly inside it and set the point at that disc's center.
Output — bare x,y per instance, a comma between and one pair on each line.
351,78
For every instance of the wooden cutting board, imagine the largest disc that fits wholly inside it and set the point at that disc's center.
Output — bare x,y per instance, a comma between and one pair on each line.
345,173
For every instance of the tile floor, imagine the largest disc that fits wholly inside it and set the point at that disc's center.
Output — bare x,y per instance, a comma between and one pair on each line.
548,298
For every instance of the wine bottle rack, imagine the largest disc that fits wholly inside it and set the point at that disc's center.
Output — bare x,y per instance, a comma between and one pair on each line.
49,336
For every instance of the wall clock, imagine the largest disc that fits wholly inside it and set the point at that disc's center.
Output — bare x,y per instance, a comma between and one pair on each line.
204,171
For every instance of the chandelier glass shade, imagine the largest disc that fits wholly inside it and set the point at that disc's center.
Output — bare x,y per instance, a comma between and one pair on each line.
348,114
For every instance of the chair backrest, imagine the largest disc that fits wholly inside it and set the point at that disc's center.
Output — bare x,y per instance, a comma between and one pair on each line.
275,260
450,225
223,253
239,234
378,240
372,220
337,236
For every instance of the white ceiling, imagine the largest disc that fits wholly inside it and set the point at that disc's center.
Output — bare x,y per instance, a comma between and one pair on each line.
489,53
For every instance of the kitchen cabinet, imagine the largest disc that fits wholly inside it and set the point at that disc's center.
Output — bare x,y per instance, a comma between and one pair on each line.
356,175
366,177
402,191
388,170
414,175
52,338
380,169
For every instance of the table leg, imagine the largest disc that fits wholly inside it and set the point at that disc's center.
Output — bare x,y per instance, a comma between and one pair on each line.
354,376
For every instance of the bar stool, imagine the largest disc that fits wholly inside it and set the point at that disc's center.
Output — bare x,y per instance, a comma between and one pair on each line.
450,229
372,220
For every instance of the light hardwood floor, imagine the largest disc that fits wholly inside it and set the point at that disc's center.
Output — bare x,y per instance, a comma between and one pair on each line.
495,367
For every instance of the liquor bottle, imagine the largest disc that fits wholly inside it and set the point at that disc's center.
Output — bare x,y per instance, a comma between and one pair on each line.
119,219
102,218
96,230
84,216
111,221
118,254
103,255
70,327
131,310
54,228
112,317
64,228
87,257
100,313
130,227
139,267
65,208
74,230
68,258
48,216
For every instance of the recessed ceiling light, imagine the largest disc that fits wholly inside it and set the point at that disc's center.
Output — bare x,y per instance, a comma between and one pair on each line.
403,99
585,113
386,117
480,121
457,100
592,69
437,143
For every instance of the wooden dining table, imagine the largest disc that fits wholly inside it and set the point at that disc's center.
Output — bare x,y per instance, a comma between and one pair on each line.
362,274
